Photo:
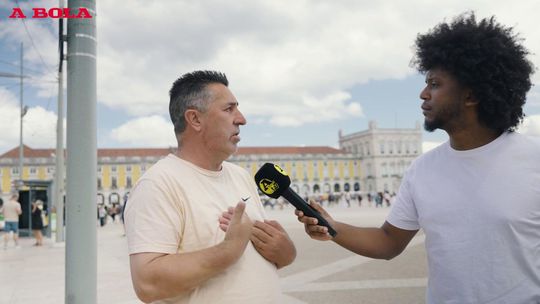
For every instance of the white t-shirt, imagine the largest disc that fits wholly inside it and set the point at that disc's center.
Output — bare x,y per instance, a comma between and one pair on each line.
480,212
175,207
12,210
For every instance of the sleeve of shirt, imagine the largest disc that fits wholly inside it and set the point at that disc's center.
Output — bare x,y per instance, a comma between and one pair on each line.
153,221
404,214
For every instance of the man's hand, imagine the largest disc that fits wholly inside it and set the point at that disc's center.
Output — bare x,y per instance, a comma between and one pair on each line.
268,238
225,219
310,223
239,228
273,243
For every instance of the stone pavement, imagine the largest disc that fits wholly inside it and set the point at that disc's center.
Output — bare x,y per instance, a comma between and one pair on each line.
322,273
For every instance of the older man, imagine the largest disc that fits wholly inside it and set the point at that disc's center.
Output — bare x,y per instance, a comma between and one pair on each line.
178,252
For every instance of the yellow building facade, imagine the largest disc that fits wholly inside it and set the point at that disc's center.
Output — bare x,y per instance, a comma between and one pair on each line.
313,170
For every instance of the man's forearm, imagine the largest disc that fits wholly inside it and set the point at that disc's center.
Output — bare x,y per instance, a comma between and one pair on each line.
158,276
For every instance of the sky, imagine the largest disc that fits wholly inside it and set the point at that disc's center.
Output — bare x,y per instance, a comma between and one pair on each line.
301,70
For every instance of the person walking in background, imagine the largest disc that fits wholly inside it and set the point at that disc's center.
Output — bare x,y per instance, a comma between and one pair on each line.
12,210
102,215
477,196
37,222
178,251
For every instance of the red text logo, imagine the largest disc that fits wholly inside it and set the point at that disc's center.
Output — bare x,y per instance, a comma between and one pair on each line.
54,12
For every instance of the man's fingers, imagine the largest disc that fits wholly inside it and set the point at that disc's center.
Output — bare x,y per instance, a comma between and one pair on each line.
262,234
223,227
266,227
227,214
223,220
239,211
274,224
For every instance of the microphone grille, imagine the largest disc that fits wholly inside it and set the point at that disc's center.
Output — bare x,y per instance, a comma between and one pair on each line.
272,180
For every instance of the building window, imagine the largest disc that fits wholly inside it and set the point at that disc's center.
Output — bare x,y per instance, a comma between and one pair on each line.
113,168
33,170
99,169
382,147
128,168
15,171
128,181
50,170
367,148
390,147
99,186
114,184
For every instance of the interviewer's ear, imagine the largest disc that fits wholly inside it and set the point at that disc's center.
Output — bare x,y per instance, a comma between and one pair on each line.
469,98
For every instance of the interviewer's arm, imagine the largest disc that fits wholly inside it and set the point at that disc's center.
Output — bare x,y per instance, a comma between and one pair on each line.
385,242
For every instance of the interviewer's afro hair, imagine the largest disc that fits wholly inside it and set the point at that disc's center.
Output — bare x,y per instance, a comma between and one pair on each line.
485,57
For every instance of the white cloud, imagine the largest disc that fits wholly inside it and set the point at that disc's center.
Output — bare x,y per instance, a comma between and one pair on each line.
9,119
290,63
289,56
146,131
531,125
39,125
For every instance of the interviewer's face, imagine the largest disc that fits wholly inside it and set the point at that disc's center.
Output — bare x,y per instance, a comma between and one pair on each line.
443,98
221,121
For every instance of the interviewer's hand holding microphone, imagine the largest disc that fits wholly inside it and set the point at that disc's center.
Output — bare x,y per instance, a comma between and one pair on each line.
274,182
311,223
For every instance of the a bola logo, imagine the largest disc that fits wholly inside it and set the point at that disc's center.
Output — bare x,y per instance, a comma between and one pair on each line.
278,168
268,186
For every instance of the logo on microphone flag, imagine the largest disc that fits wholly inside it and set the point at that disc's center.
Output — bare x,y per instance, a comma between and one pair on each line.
268,186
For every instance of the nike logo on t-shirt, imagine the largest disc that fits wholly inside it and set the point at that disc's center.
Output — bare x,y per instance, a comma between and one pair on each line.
245,199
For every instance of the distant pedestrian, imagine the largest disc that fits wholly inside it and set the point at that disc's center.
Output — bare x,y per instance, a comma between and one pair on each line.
359,198
347,197
102,215
12,210
37,222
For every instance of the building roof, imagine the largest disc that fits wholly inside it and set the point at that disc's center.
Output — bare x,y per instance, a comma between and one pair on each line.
144,152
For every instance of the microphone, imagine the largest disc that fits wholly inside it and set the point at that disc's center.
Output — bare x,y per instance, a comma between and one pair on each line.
274,182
